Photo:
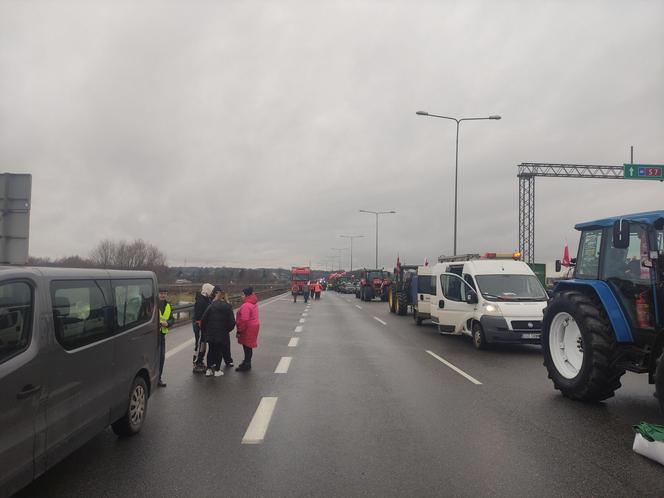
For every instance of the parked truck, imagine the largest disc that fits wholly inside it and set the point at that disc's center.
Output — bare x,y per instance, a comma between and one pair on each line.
374,283
300,276
608,319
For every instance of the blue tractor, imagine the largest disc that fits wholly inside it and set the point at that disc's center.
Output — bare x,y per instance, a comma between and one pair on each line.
608,319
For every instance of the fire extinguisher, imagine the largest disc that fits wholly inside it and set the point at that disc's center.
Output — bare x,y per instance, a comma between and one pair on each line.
642,311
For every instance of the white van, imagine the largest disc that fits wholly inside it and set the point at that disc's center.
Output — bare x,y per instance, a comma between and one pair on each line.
425,287
491,300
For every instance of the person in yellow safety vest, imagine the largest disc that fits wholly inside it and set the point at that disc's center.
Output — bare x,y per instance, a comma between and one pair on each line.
165,322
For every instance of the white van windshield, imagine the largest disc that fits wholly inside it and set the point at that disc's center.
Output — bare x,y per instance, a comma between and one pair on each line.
510,288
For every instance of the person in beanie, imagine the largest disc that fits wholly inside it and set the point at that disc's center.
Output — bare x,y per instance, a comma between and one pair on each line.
202,301
165,323
217,322
248,324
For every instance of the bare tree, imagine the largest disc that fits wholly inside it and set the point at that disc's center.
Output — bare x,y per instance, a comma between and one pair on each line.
102,255
136,255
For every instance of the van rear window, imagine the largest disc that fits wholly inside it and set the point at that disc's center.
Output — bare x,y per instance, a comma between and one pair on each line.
134,302
16,305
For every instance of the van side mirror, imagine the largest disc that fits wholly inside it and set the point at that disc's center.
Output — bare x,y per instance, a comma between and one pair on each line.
559,265
621,234
471,298
441,304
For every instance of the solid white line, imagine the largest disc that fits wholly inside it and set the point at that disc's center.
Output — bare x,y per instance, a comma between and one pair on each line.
358,306
177,349
302,320
456,369
379,320
260,421
293,342
271,300
283,365
298,328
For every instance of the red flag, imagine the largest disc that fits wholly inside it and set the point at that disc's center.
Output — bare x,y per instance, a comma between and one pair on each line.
565,261
426,261
398,264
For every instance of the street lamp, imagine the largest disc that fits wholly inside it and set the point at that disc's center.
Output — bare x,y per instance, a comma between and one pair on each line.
456,158
351,237
376,213
339,249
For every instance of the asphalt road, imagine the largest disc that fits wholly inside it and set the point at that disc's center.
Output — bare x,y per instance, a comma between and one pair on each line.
367,408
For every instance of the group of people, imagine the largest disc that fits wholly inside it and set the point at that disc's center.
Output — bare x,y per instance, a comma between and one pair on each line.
310,289
213,320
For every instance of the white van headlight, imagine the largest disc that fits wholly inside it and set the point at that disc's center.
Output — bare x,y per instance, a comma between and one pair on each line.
492,309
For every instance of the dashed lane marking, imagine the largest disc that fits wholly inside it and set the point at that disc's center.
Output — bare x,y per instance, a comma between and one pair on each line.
379,320
358,306
293,342
302,320
283,365
456,369
305,314
260,422
298,328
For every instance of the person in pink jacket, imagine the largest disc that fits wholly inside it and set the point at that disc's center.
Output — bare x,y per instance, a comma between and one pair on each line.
247,324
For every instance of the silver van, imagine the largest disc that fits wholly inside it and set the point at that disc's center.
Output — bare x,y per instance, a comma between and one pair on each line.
78,352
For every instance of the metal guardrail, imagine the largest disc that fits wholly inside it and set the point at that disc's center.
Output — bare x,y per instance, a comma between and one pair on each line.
235,300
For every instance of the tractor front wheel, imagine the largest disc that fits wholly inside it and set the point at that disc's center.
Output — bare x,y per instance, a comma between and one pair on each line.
579,347
391,300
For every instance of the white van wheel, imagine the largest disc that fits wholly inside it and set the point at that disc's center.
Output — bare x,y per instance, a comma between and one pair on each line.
479,339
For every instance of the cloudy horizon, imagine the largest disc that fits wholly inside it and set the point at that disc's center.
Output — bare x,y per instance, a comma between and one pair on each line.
251,133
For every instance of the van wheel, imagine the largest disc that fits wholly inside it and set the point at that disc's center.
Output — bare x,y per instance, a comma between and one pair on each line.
416,317
132,421
479,339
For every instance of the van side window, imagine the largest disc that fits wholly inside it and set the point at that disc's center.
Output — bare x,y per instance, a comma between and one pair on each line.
134,302
16,305
454,288
79,313
426,284
469,281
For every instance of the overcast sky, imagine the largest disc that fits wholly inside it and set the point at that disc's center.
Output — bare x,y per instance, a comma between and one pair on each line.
251,133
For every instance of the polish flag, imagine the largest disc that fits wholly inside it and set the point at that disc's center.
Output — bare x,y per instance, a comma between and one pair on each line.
398,264
565,261
426,261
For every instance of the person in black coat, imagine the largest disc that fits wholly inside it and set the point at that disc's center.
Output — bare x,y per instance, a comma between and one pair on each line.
216,324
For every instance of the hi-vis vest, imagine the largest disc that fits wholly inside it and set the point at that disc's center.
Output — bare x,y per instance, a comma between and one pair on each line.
165,316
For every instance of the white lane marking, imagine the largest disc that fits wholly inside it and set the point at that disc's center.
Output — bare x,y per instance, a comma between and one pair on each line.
283,365
260,421
305,314
298,328
293,342
379,320
456,369
177,349
358,306
302,320
270,301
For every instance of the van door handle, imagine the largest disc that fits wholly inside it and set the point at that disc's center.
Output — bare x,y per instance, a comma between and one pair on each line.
27,391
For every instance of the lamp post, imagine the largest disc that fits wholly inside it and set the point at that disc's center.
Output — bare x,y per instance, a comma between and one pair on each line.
376,213
351,237
339,249
456,158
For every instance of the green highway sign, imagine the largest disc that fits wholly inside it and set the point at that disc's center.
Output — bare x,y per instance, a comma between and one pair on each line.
644,172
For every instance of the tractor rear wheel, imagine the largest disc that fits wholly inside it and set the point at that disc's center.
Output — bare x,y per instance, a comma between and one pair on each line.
659,381
579,347
391,300
402,303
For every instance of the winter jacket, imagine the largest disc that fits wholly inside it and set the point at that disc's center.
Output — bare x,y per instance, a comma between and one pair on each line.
171,319
200,306
216,321
247,322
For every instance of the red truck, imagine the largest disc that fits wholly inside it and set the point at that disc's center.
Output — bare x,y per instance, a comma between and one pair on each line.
300,276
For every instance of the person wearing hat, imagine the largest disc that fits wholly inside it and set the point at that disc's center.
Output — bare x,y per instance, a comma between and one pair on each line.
202,301
248,325
165,323
217,322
